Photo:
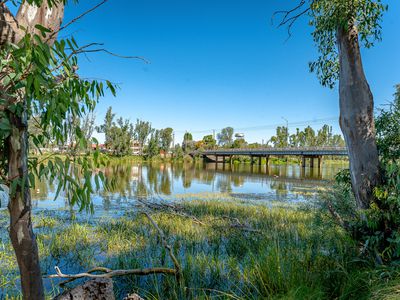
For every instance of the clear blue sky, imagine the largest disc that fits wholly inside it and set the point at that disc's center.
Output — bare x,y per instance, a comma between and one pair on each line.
218,63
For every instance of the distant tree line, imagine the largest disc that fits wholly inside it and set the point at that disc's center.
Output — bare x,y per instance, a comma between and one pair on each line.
122,137
306,138
227,138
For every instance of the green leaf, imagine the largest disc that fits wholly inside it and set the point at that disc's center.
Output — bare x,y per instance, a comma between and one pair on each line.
43,30
111,87
5,125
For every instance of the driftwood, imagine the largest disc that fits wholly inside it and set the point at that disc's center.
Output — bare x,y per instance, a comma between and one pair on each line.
95,289
108,273
166,246
133,297
169,208
179,211
239,225
339,220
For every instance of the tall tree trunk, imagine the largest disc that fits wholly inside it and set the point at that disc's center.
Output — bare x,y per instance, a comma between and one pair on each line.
12,30
21,233
357,118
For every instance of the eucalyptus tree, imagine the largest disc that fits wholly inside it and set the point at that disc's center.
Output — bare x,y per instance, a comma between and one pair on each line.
239,143
187,136
324,136
71,122
225,137
209,142
39,78
87,125
188,144
294,139
340,28
153,148
310,139
107,126
121,136
178,152
280,140
142,131
388,129
166,138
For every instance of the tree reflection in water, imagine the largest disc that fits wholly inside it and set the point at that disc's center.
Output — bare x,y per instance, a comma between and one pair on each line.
126,181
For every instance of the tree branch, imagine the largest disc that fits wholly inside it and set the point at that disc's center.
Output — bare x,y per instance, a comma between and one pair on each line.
166,246
289,17
172,209
339,220
114,54
78,17
108,273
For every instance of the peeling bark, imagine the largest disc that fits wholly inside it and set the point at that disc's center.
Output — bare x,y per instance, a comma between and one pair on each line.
13,29
357,118
30,15
9,28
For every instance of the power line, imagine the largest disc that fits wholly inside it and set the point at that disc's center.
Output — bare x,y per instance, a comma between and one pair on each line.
269,126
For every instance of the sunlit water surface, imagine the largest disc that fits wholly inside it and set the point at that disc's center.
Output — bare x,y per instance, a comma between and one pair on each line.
170,182
279,184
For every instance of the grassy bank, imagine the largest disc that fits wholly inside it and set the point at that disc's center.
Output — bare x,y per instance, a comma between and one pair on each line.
277,252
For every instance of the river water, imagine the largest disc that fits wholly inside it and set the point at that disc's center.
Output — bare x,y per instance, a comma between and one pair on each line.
131,180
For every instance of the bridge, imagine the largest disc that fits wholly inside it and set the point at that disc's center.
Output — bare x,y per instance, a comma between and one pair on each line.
311,153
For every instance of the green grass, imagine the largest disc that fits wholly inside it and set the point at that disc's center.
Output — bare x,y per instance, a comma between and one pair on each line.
291,257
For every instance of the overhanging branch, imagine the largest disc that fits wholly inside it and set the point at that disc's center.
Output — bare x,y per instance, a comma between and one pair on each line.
289,17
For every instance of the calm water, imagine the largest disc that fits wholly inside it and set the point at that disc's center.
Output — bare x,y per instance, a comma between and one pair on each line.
130,181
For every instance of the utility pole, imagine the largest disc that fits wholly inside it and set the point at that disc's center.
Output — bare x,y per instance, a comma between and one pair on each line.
287,128
184,141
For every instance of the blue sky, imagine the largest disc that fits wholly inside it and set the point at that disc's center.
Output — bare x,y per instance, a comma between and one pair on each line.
218,63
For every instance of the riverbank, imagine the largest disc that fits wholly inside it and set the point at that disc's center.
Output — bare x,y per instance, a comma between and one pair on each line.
228,248
188,158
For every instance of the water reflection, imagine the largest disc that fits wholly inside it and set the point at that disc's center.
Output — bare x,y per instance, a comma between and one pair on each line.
128,181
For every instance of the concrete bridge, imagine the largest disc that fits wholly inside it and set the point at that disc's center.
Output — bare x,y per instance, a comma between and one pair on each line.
310,153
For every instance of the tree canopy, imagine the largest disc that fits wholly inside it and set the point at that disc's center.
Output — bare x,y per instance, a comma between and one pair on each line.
225,137
326,16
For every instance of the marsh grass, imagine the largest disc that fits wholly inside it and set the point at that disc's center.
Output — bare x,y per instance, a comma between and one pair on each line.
292,257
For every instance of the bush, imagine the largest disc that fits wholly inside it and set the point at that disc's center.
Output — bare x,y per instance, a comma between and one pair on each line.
377,228
187,158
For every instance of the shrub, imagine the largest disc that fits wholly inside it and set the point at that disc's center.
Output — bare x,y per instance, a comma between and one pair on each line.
377,228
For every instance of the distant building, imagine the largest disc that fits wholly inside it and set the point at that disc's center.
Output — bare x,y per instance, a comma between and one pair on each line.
100,147
136,147
239,135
